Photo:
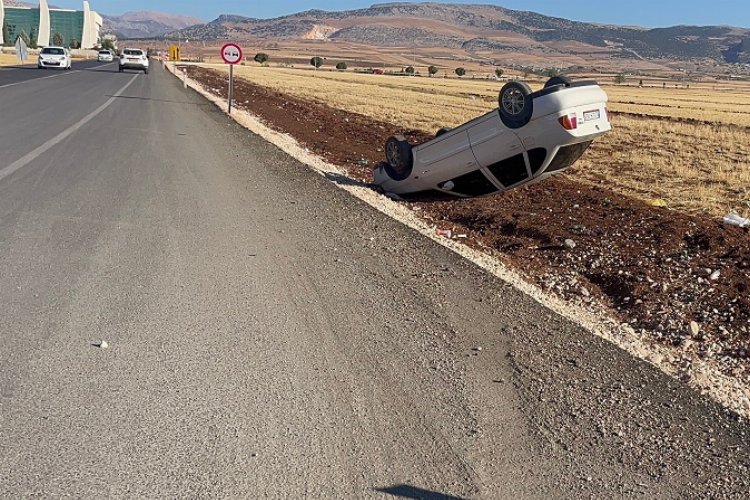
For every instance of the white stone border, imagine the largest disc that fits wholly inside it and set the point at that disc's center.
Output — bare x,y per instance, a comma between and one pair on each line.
702,376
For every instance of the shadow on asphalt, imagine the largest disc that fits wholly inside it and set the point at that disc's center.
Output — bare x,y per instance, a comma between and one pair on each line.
138,98
407,491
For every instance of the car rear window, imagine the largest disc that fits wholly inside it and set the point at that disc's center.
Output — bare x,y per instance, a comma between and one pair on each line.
53,51
471,184
510,171
536,159
568,155
133,52
104,52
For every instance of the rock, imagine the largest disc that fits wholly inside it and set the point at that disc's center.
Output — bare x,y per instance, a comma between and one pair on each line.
656,358
715,275
570,243
585,292
695,328
478,349
103,345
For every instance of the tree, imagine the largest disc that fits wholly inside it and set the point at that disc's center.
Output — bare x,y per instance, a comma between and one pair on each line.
24,36
341,66
316,61
75,44
552,72
57,39
460,72
32,40
261,58
6,35
432,70
409,70
499,72
620,79
109,45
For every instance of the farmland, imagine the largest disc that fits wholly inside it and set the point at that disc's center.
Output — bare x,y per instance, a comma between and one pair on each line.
683,147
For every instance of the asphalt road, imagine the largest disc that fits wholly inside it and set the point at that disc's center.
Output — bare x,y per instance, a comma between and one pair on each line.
14,75
268,335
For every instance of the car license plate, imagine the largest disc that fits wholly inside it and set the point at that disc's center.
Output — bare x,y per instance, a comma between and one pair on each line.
589,116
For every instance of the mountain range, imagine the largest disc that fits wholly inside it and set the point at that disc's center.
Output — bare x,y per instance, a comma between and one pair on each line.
481,29
146,24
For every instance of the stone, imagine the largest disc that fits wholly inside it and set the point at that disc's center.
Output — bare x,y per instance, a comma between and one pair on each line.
570,243
695,328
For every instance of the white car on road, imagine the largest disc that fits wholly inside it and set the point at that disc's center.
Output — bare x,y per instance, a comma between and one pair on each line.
134,59
54,57
105,56
531,136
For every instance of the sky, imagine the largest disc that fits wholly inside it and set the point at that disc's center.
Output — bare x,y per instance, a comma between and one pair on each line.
648,13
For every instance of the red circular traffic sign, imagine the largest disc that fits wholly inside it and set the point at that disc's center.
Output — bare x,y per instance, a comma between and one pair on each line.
231,53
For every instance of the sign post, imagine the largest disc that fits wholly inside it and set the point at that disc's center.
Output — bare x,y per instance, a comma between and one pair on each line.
22,51
231,53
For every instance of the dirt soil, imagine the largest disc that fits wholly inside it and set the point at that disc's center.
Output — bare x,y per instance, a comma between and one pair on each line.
679,280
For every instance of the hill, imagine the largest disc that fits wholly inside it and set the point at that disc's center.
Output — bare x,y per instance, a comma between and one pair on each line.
482,29
146,24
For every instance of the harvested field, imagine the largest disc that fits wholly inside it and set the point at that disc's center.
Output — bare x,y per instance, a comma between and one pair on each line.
657,269
695,163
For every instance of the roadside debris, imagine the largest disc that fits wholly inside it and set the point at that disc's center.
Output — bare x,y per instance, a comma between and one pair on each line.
735,220
102,344
446,233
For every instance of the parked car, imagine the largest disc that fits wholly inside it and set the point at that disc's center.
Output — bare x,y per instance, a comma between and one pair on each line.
54,57
105,56
133,59
529,137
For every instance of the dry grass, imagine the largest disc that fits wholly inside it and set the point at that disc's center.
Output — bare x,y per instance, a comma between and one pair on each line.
11,60
690,166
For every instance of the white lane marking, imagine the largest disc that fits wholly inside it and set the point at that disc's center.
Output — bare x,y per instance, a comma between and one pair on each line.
29,157
63,73
42,78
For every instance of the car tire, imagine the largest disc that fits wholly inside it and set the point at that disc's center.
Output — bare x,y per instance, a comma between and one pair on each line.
558,80
145,71
441,131
399,155
120,69
515,104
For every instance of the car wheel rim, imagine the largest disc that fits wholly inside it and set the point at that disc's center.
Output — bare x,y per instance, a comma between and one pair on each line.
393,156
513,102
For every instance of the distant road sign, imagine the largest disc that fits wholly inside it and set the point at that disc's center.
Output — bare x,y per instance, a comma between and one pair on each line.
22,51
174,53
231,53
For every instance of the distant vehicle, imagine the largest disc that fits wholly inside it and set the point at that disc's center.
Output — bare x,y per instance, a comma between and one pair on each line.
133,59
105,56
531,136
54,57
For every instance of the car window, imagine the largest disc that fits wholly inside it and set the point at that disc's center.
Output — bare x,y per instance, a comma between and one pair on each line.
53,51
104,52
133,52
568,155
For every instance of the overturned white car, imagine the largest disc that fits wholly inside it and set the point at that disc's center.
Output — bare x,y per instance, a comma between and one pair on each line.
531,136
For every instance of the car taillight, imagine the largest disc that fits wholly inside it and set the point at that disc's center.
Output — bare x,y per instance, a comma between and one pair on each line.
569,122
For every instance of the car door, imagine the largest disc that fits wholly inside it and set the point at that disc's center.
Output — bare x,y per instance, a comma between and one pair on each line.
498,150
